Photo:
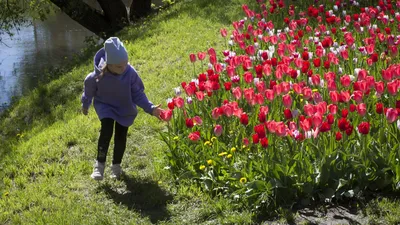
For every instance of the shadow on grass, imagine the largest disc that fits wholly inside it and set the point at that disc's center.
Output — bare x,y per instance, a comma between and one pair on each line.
143,196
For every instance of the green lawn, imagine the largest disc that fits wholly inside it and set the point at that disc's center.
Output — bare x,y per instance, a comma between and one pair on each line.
48,147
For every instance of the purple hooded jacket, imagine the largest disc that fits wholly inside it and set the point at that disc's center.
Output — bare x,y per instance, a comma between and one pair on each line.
115,96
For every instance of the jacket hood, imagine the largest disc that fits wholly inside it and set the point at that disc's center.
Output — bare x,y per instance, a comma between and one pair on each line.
99,59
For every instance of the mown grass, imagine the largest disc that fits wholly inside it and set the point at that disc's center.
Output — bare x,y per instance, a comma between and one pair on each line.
48,147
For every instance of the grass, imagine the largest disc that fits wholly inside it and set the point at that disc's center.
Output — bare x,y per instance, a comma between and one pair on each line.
48,147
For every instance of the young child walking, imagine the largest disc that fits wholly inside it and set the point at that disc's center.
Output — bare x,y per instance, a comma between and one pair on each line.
116,89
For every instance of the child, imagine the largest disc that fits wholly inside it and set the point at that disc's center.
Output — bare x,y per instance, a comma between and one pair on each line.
117,89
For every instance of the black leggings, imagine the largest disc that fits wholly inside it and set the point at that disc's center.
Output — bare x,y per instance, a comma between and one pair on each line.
106,132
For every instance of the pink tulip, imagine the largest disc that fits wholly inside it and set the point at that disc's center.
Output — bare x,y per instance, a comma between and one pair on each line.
362,109
201,55
200,95
358,96
287,100
309,109
392,87
178,102
197,120
280,129
316,119
215,113
237,92
269,94
345,80
391,115
218,130
332,108
334,97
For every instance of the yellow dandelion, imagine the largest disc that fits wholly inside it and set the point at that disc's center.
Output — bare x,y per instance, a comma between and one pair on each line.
213,139
222,154
229,156
243,180
209,162
202,167
233,149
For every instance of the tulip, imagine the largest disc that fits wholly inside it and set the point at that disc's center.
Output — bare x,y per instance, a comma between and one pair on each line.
192,58
194,136
218,130
363,128
391,115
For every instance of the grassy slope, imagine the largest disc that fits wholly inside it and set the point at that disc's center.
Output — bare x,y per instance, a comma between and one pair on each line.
45,175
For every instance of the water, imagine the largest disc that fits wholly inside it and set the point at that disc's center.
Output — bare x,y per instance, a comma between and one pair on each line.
25,56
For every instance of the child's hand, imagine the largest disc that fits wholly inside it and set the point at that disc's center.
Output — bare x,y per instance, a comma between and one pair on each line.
85,111
157,111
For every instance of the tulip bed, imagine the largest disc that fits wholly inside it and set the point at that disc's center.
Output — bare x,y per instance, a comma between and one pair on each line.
301,106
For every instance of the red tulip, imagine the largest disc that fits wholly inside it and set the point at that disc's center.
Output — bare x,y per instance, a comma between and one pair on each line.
379,108
227,86
363,128
338,136
260,130
192,58
166,115
264,142
330,118
345,112
189,123
244,119
343,124
194,136
325,127
352,108
255,138
288,114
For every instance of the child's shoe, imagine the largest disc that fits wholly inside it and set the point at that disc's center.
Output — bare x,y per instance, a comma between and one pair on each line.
116,171
98,171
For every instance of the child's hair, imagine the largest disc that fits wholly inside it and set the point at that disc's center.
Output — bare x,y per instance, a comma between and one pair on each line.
103,69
